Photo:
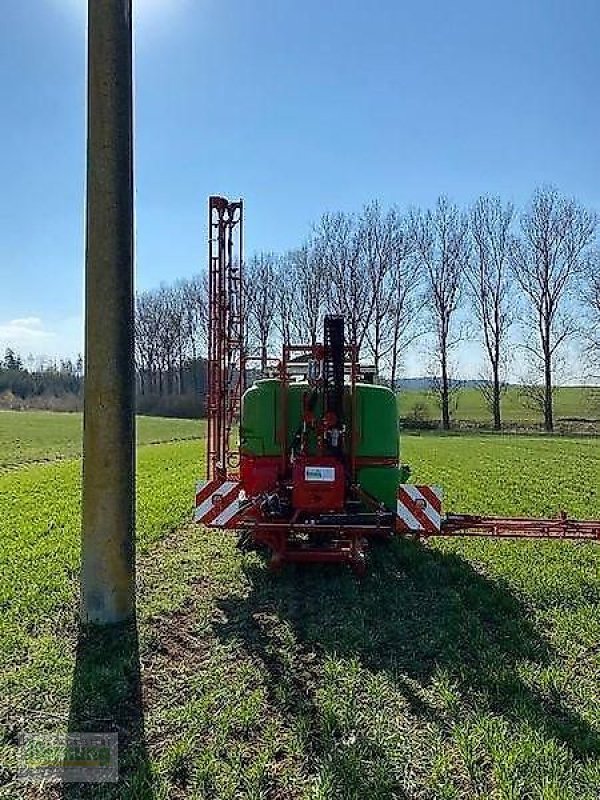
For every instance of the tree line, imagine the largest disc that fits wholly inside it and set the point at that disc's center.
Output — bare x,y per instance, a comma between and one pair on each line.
170,336
524,283
48,378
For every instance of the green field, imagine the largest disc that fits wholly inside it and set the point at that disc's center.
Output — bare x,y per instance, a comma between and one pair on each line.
571,403
34,436
455,670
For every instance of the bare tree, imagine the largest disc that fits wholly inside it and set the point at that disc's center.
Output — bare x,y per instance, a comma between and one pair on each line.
351,289
163,338
195,321
556,233
441,238
148,322
307,267
490,286
260,297
285,300
406,322
170,312
142,356
395,285
377,232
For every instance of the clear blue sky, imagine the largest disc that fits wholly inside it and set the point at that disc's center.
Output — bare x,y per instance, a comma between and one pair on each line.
300,106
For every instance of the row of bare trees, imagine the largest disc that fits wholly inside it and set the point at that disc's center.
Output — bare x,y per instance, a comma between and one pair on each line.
355,265
170,337
445,274
524,284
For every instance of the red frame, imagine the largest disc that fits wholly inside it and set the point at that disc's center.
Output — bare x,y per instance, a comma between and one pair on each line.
226,364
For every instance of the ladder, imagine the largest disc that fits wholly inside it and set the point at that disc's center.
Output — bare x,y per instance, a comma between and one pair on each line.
226,364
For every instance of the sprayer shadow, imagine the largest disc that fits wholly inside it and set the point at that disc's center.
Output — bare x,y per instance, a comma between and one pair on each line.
418,613
106,697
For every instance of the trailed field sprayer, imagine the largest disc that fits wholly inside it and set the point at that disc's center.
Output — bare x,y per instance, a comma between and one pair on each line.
315,472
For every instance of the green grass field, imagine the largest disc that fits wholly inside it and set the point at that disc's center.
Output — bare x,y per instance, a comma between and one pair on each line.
34,436
571,403
455,670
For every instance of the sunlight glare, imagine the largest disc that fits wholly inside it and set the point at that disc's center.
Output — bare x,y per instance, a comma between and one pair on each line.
144,10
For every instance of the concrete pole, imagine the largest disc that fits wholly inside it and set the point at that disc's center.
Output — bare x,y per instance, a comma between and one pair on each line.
108,555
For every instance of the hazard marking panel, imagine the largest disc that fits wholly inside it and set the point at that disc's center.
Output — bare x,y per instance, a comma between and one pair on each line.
419,508
218,503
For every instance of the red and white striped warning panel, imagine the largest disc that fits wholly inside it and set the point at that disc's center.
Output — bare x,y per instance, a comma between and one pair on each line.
419,508
218,503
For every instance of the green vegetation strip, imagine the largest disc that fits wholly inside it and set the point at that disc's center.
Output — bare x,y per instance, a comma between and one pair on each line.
458,670
509,475
40,540
34,436
571,402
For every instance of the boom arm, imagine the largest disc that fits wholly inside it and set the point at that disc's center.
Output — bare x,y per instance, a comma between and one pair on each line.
521,528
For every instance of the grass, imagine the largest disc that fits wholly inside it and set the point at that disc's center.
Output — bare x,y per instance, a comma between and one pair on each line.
464,669
34,436
571,403
518,475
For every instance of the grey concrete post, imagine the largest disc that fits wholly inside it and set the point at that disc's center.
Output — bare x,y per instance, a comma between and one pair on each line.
108,554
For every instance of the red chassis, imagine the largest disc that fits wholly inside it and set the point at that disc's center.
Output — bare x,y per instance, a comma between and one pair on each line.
223,504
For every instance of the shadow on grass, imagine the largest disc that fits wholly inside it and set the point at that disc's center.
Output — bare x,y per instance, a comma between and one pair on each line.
106,697
418,614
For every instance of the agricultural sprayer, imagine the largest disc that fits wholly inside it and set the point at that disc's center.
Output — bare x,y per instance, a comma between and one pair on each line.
315,471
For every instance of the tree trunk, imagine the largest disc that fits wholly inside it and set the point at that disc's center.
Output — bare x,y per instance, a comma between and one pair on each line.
263,358
376,348
548,410
496,398
194,369
445,397
394,367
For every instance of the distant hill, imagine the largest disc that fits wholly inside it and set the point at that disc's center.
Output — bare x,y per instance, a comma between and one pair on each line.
423,384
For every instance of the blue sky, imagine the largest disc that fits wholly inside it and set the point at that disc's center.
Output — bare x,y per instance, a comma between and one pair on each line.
299,106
